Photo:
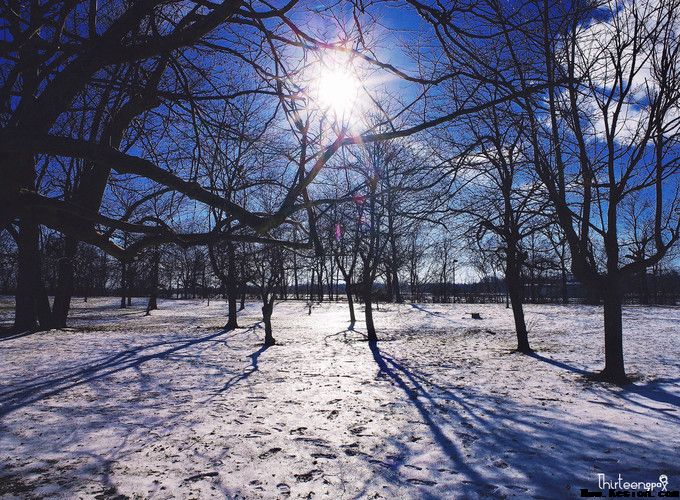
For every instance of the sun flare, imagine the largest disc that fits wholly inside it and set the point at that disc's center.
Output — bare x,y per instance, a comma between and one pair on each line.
338,92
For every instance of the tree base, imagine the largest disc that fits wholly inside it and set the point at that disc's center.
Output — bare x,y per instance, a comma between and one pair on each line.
524,350
18,331
616,377
269,342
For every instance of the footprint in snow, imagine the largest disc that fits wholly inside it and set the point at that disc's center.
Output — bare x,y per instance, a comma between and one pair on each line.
425,482
284,489
308,476
270,452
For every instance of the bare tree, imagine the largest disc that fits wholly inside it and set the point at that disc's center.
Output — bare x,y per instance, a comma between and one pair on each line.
605,130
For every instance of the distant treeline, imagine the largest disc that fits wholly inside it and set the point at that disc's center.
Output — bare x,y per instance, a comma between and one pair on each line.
100,275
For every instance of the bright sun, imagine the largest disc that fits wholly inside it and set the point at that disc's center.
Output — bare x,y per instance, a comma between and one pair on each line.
337,92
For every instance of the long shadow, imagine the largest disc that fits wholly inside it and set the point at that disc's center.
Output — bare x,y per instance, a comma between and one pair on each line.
345,339
394,371
558,364
26,394
422,309
11,335
653,391
247,373
511,431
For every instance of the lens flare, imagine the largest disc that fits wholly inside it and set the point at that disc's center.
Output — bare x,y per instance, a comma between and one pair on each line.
337,92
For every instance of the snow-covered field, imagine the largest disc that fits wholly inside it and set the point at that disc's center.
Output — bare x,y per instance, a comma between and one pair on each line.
172,406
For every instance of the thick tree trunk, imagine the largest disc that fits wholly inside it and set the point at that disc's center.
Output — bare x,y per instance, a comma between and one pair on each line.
311,285
644,289
64,292
319,285
513,281
152,305
329,280
614,370
19,170
232,289
397,288
296,285
28,276
267,310
350,304
370,327
394,271
129,281
520,324
43,306
123,277
388,286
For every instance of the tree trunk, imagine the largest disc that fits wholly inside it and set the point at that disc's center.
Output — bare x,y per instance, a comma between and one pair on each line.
397,288
130,272
520,325
64,292
329,279
232,289
43,306
388,286
311,286
152,305
295,272
513,280
267,309
350,303
32,304
370,327
395,275
28,277
123,276
614,370
319,285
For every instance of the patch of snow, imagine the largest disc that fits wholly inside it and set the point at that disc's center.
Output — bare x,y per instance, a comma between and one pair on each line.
171,405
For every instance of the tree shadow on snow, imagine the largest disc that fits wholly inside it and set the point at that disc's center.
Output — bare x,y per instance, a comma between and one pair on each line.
400,375
652,391
559,364
9,334
500,445
349,334
247,372
127,397
48,385
426,311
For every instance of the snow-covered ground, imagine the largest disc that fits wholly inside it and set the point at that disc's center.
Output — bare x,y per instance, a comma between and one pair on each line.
172,406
